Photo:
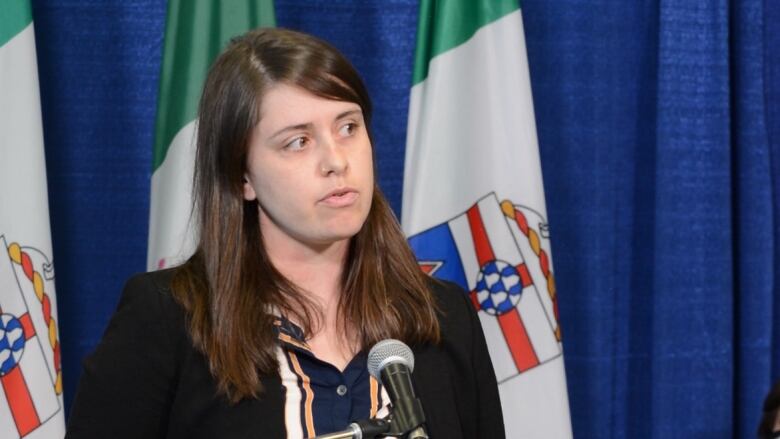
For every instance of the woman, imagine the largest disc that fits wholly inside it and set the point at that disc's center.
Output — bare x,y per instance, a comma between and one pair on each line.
300,268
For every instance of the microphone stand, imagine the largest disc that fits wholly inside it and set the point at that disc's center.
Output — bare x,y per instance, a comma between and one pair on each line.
350,433
363,429
417,433
371,428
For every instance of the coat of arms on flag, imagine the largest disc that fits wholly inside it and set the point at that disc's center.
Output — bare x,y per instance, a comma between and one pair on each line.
498,253
30,375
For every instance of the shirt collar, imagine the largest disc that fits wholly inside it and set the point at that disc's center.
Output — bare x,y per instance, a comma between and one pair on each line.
290,335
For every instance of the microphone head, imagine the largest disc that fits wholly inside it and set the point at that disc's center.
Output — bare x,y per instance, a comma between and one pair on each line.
389,352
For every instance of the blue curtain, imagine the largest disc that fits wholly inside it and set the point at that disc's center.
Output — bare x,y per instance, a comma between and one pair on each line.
659,130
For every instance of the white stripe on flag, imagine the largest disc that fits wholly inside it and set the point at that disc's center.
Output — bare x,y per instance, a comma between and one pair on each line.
171,233
450,164
535,270
7,426
532,414
497,229
461,234
500,355
24,219
499,235
536,324
24,211
11,301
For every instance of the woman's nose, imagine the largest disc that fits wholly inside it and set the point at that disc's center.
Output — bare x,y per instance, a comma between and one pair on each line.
334,159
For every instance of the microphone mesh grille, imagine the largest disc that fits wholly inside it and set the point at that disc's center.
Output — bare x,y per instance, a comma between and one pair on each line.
386,352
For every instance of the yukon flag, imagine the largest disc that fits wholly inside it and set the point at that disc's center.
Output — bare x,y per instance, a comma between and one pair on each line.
195,33
30,376
473,203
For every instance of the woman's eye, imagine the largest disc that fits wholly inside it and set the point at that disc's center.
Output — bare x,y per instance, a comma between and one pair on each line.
348,129
297,144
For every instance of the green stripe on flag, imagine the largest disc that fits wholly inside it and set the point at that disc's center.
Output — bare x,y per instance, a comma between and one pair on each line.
15,15
445,24
195,33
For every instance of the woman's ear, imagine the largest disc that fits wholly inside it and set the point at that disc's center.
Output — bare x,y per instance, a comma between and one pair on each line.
249,190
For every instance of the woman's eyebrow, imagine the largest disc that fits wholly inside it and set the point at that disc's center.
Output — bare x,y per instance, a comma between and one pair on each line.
300,126
348,113
304,126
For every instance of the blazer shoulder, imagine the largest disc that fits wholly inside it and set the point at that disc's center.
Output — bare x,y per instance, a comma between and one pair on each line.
148,300
457,314
128,381
151,281
150,288
450,296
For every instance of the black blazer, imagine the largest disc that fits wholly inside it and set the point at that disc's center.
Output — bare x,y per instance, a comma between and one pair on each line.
146,379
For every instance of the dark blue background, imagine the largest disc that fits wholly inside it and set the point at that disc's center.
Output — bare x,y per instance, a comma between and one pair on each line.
659,130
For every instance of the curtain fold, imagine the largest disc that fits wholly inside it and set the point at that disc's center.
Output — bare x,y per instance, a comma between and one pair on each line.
771,67
752,208
691,365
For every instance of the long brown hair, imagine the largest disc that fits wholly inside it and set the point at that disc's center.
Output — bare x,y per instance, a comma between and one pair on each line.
229,286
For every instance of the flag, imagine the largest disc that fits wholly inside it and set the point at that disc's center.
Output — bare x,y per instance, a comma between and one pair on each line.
195,33
31,404
473,202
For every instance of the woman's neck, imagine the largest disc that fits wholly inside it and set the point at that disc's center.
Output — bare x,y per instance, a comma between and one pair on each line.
317,271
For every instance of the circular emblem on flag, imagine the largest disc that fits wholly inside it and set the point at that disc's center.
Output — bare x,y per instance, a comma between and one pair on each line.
498,287
11,342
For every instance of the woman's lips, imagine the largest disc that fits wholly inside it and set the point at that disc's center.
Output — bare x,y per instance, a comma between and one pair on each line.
340,198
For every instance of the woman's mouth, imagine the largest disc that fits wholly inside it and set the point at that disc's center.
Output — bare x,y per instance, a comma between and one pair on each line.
340,197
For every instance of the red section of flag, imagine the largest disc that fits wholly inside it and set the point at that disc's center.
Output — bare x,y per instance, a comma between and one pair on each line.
521,222
525,276
479,235
57,356
46,308
27,266
517,338
20,401
544,262
27,326
429,267
474,301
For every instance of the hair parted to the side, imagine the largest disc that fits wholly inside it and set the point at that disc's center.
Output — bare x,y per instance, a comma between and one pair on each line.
229,287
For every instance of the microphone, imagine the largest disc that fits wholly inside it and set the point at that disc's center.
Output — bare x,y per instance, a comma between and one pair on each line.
392,362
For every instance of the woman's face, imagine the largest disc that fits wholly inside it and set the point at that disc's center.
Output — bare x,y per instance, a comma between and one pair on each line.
310,167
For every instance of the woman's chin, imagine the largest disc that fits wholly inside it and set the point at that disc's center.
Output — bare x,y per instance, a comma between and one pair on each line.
337,233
